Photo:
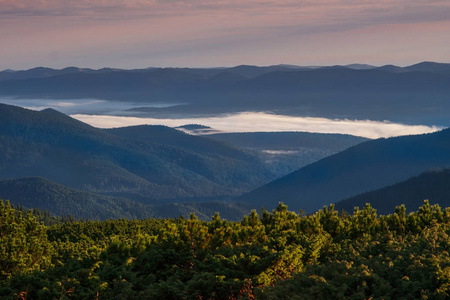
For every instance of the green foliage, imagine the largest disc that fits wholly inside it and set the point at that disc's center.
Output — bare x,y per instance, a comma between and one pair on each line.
279,254
23,243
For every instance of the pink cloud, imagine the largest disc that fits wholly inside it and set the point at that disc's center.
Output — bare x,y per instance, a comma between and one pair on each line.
139,33
331,9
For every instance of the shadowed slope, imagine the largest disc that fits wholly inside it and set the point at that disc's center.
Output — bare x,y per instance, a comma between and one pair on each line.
367,166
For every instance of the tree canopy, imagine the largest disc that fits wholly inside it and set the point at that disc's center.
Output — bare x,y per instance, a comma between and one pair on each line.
274,255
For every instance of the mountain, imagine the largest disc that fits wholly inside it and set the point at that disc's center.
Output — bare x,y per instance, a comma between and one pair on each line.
433,186
110,84
391,68
360,66
58,200
367,166
426,66
42,72
52,145
430,67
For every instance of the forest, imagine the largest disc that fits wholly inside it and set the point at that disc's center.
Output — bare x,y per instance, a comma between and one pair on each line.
272,255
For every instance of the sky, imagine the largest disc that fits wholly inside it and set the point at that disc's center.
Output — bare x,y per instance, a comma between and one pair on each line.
207,33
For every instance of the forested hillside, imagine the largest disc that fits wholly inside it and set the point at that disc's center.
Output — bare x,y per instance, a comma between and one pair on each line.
286,152
168,136
432,185
275,255
58,200
35,192
367,166
52,145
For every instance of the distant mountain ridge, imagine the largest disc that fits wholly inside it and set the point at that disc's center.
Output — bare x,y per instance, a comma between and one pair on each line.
417,94
245,71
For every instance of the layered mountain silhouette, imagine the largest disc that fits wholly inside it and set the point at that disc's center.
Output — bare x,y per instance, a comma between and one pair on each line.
160,165
414,94
121,171
361,168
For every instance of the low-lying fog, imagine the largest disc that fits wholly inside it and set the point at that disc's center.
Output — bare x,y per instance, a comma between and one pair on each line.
103,114
260,121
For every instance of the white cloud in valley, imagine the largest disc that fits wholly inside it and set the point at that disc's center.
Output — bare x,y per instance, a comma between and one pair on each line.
258,121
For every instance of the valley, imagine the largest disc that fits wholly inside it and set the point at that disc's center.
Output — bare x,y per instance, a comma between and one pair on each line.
144,170
140,171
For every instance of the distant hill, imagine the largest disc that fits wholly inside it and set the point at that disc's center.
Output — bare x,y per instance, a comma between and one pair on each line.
59,200
360,66
430,67
367,166
433,186
140,164
426,66
42,72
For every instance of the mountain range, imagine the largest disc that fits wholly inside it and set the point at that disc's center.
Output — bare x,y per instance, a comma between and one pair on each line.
417,94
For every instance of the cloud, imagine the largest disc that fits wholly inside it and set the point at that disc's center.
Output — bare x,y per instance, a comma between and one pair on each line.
258,121
303,12
139,33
